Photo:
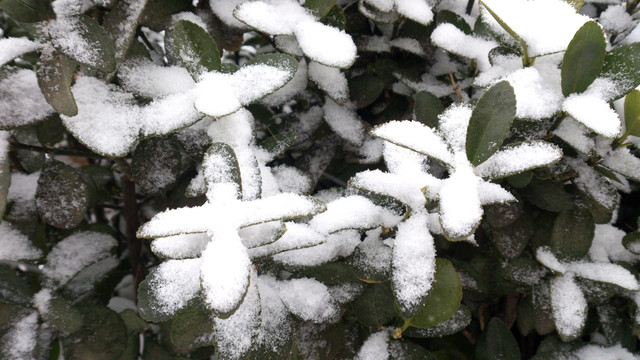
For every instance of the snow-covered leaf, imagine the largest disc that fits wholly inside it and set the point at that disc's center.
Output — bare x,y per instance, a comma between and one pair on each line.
21,102
623,162
196,48
276,323
569,307
605,272
11,48
460,206
593,112
344,120
184,246
517,158
15,246
330,80
220,168
54,73
296,236
621,66
308,299
191,328
376,347
414,136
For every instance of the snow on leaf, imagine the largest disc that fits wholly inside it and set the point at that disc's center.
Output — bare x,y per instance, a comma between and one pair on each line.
352,212
11,48
548,259
593,112
605,272
331,80
262,234
297,236
224,273
490,193
220,168
16,246
412,263
308,299
184,246
416,10
344,121
276,324
597,352
450,38
235,335
280,206
74,253
569,307
607,245
21,102
517,158
460,207
338,244
297,84
414,136
376,347
622,161
21,340
594,184
576,135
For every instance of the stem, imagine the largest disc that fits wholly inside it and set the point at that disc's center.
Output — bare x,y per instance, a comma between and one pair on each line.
46,150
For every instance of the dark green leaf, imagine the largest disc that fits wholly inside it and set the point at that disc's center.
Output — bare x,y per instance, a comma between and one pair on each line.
631,242
490,122
444,297
520,180
446,16
50,131
406,350
622,66
28,11
55,73
511,240
153,351
501,215
132,321
525,319
277,144
632,113
102,337
583,59
335,17
31,161
367,259
196,48
5,182
62,197
320,8
281,61
577,4
101,49
150,308
426,109
572,234
229,68
190,327
497,342
13,288
365,89
548,195
122,23
131,352
460,320
157,14
62,316
156,164
374,307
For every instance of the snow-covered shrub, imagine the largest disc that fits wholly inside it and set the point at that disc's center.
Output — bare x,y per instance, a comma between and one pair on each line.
319,179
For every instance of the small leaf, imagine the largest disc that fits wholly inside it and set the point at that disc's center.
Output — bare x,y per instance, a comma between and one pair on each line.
132,321
460,320
569,307
497,342
191,328
196,48
548,195
622,66
365,89
55,72
13,288
490,122
520,180
443,300
102,337
374,307
277,144
62,316
28,11
572,234
427,108
511,240
156,164
62,197
220,166
577,4
632,113
631,242
320,8
583,59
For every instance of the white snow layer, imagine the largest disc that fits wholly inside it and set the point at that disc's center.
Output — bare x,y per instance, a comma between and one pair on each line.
16,246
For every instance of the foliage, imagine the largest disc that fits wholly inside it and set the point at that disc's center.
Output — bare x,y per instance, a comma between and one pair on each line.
319,179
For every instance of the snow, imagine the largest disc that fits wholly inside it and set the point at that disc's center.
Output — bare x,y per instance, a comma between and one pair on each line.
262,234
413,263
415,136
596,185
291,180
376,347
297,236
330,80
518,158
622,161
537,97
409,45
340,244
344,121
74,253
372,255
21,340
352,212
276,326
615,19
453,124
144,78
42,300
596,352
15,246
224,10
593,112
325,44
576,135
605,272
416,10
450,38
224,273
11,48
21,102
607,245
173,284
569,306
546,26
460,207
69,35
290,89
546,258
308,299
184,246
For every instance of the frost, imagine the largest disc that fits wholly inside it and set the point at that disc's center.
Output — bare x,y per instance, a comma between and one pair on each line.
331,80
308,299
344,121
20,341
518,158
15,246
376,347
21,102
568,305
11,48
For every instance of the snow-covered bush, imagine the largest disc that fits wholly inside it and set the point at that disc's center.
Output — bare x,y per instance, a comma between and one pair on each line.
319,179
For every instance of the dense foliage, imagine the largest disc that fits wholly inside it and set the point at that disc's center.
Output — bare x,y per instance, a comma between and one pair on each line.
319,179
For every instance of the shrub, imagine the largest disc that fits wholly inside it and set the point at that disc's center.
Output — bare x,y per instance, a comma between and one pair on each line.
368,179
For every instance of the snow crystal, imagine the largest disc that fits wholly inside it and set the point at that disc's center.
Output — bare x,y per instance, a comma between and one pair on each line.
415,136
42,300
184,246
345,292
308,299
11,48
376,347
276,18
546,26
16,246
75,253
568,305
372,255
290,89
146,79
607,245
413,263
605,272
21,340
515,159
253,82
616,19
224,273
174,283
594,184
344,121
331,80
460,207
450,38
21,102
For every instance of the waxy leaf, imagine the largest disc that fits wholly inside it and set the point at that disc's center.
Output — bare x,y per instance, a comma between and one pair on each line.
632,113
622,66
55,72
497,342
196,48
583,59
28,11
572,234
427,108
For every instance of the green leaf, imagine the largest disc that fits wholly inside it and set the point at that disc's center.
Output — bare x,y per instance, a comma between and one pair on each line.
548,195
583,59
446,16
150,308
196,48
190,327
280,61
577,4
62,316
511,240
406,350
132,321
102,337
50,131
507,28
460,320
632,113
13,288
335,17
497,342
365,89
156,164
490,122
631,242
28,11
55,73
122,23
622,66
96,39
426,109
277,144
374,307
572,234
320,8
444,297
62,197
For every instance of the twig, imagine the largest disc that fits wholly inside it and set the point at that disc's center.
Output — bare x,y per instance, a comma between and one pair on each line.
455,86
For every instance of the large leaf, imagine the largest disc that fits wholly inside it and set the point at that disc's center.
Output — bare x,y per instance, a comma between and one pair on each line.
632,113
191,328
572,234
583,59
490,122
365,89
28,11
62,316
497,342
374,307
443,300
427,107
622,66
196,48
55,73
62,196
156,164
102,337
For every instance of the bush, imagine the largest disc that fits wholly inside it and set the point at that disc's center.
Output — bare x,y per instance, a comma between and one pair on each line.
372,179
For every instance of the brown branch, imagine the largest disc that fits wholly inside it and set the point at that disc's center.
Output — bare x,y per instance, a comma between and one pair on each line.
455,86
